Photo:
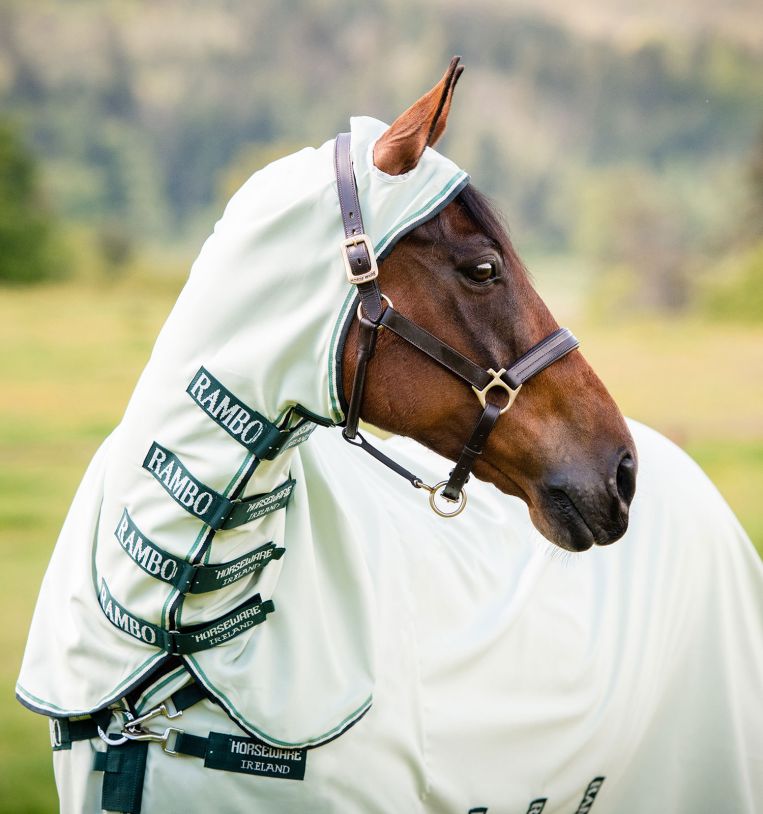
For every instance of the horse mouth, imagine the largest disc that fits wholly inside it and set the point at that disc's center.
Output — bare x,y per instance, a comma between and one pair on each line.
559,517
579,535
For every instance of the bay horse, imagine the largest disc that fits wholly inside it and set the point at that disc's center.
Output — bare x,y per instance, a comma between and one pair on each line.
241,613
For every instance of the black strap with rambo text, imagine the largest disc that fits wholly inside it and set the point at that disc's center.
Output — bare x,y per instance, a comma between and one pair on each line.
198,499
189,640
183,575
251,429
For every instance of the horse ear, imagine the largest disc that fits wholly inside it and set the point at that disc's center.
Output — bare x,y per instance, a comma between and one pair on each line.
399,149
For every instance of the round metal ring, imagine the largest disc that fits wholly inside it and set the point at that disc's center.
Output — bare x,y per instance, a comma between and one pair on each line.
436,489
106,737
383,296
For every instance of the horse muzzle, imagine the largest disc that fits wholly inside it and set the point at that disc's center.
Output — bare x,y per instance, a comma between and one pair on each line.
578,509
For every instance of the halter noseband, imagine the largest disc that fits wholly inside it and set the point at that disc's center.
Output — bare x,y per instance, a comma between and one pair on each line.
362,271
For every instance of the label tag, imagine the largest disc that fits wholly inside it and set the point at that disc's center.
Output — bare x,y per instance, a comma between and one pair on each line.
212,577
193,495
252,756
250,508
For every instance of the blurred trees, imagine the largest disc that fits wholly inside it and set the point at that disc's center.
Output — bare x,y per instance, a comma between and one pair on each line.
736,292
28,248
146,116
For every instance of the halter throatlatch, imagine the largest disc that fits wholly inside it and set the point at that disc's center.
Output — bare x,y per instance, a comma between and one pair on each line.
362,271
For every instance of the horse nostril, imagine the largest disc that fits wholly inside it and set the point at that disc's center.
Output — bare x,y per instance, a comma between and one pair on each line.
626,478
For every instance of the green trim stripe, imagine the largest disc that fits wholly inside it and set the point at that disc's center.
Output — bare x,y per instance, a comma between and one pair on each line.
201,676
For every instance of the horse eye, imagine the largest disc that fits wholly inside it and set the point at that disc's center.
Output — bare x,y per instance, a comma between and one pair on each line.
483,272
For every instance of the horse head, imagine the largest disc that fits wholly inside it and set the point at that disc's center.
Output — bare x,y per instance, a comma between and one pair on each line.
563,447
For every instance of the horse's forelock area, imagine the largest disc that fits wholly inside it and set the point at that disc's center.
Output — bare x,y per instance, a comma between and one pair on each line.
490,221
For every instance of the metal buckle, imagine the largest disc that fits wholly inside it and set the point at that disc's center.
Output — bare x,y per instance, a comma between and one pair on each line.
436,490
56,738
367,276
160,711
497,381
154,737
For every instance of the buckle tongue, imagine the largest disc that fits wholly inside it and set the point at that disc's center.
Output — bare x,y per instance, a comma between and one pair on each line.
364,276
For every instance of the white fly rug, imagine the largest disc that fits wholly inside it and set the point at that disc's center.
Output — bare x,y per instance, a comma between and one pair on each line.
439,666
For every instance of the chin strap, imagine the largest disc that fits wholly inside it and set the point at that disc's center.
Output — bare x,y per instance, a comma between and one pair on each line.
362,270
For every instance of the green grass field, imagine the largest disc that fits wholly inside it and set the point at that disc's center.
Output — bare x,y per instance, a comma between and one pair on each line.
70,359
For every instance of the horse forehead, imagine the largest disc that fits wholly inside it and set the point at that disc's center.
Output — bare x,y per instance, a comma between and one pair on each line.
451,230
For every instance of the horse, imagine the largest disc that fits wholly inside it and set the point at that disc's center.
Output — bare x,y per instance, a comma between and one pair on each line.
243,611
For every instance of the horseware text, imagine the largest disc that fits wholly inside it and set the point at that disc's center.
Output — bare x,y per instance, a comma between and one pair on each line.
231,627
260,507
252,756
246,565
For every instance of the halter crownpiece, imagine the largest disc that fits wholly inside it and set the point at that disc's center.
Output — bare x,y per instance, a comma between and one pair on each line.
362,271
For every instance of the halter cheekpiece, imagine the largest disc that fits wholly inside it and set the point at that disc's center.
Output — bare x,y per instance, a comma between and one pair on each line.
362,271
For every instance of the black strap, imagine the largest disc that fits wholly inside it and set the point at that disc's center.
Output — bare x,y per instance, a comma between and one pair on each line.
427,343
473,448
360,441
540,356
65,731
246,755
189,640
124,767
358,255
187,696
366,348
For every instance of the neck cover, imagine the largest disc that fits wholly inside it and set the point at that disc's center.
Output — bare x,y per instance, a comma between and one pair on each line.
258,327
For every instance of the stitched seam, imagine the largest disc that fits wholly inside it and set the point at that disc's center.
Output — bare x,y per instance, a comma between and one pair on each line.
536,362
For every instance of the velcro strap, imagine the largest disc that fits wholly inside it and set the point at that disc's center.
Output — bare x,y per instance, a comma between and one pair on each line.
185,576
251,429
65,731
241,754
124,768
200,500
199,637
187,696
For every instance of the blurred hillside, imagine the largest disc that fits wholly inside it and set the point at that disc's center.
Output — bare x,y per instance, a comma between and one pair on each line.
146,116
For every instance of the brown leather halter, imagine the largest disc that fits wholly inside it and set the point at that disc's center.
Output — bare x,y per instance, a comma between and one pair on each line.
362,271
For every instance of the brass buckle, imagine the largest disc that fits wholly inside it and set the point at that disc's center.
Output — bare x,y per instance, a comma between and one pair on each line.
436,490
372,273
497,381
